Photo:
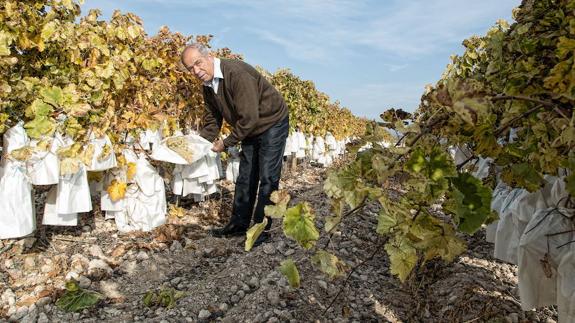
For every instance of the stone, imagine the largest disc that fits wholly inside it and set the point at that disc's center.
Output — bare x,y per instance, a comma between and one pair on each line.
84,282
176,246
322,284
254,282
99,268
20,313
43,318
223,307
235,299
289,252
142,255
204,314
43,301
29,263
111,290
176,281
96,251
273,297
269,249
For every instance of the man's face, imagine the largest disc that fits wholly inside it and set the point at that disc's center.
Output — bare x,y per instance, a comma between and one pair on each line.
201,66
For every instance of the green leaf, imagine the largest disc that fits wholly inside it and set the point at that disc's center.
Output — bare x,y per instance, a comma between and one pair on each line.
328,264
336,211
417,162
526,176
76,299
48,30
38,108
402,255
166,297
435,238
471,202
52,95
254,232
40,126
385,223
299,225
5,42
289,269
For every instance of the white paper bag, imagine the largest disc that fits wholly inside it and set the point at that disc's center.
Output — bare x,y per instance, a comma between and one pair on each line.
536,289
197,144
99,161
74,193
17,212
51,216
43,167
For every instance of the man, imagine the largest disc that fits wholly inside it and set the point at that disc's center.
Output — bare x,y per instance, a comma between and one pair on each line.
235,92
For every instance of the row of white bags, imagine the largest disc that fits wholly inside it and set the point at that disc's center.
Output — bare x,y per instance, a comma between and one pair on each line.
71,192
534,231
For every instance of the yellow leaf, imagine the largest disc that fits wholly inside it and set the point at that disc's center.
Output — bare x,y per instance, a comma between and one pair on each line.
254,232
87,155
106,151
21,154
117,190
69,166
176,211
131,172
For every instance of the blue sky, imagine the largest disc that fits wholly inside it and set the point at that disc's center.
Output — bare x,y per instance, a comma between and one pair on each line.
369,55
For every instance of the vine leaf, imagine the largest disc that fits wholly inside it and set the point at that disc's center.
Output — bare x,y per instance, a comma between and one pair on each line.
281,199
289,269
328,264
75,299
299,225
471,202
402,255
254,232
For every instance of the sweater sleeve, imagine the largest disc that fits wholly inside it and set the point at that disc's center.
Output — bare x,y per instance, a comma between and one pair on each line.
212,123
246,101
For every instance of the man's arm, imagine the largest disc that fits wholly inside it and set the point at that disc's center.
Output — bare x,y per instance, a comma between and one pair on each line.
246,100
212,123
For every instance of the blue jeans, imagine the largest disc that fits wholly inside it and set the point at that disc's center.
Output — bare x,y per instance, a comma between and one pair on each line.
260,167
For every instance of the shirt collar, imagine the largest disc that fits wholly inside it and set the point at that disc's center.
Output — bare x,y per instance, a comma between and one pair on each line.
217,74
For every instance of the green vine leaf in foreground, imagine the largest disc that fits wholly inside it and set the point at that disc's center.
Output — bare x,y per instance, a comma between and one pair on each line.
402,255
470,202
329,264
76,299
299,225
289,269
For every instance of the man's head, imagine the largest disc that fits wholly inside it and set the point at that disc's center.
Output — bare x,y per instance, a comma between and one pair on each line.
197,60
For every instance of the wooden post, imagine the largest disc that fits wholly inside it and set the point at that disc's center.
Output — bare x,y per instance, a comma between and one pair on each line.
293,163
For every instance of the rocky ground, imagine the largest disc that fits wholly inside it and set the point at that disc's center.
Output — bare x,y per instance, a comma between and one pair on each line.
222,282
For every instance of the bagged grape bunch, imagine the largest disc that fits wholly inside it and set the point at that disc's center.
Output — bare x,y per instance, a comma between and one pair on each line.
143,204
103,157
181,150
17,214
43,167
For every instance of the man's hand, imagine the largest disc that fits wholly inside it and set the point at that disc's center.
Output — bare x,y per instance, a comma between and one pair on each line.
218,146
